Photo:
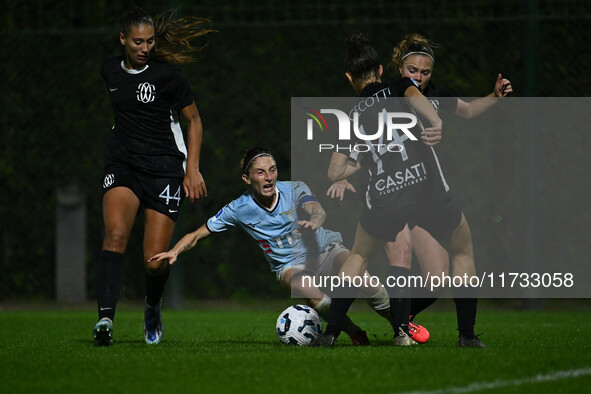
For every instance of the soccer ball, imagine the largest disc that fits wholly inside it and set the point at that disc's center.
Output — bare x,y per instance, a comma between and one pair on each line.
298,325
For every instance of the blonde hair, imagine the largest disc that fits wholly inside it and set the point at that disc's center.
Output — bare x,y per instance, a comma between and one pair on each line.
412,44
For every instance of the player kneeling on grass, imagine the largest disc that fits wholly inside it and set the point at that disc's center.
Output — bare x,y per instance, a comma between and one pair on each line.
269,212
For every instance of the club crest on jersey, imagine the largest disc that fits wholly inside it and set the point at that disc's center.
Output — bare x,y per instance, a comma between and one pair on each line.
146,92
289,214
108,181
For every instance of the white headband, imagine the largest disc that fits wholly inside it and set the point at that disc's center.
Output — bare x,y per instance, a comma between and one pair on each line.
418,53
256,156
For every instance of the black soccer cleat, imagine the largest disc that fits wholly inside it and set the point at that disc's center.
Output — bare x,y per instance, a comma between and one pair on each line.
103,332
324,340
470,342
359,338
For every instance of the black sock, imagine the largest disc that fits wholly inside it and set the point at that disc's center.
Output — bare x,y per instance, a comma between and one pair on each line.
338,311
341,300
399,298
466,301
109,279
155,286
422,299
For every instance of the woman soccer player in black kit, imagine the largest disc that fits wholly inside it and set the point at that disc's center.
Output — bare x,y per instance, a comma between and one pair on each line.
424,202
148,167
414,58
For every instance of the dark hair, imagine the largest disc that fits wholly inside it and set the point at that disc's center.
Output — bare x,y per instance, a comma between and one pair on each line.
412,43
361,60
173,36
252,154
136,17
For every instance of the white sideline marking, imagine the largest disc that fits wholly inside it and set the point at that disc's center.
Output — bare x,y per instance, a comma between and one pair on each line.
479,386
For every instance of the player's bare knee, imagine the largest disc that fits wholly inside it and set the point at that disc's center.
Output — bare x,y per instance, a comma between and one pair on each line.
399,253
155,268
115,240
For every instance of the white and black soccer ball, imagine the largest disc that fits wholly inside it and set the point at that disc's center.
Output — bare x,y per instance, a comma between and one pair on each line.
298,325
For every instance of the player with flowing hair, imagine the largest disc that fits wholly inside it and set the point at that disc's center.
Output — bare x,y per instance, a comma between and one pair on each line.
286,221
149,167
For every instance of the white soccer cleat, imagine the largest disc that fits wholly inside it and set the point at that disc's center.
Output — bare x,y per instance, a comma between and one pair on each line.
402,339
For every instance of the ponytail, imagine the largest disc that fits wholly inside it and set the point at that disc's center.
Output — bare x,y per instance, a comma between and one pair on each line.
173,36
361,59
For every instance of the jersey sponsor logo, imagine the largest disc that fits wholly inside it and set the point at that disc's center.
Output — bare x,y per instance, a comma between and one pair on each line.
108,181
112,89
146,92
401,179
368,102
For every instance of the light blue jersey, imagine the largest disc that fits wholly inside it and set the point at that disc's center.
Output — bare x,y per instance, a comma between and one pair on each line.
275,229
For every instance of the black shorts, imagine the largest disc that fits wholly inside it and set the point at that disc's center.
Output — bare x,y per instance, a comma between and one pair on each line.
162,194
439,216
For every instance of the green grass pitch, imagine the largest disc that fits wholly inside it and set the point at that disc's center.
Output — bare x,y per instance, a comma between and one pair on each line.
235,350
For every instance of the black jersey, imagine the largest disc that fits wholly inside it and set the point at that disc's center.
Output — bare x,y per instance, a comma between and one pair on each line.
441,97
398,177
147,135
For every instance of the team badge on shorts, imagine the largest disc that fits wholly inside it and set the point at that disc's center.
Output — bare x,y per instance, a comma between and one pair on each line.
108,181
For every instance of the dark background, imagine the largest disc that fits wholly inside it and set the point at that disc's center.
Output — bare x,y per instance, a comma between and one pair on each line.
56,118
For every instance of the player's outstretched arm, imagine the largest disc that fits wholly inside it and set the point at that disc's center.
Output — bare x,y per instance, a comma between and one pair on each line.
187,242
338,189
317,216
479,106
193,183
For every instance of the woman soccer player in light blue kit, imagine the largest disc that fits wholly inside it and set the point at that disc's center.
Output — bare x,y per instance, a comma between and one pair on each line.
269,213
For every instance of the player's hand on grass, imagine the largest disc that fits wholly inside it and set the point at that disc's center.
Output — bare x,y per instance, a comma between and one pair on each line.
431,136
338,189
194,185
502,86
